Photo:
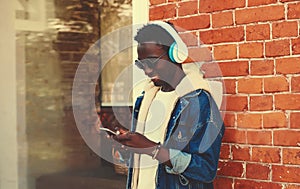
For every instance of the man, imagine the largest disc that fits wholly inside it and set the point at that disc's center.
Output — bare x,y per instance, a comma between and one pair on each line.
176,128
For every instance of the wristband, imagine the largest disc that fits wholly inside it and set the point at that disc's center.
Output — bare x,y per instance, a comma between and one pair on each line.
154,153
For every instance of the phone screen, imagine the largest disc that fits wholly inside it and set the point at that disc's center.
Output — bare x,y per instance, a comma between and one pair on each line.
110,131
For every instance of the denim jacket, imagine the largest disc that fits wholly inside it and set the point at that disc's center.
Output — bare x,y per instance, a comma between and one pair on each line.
193,137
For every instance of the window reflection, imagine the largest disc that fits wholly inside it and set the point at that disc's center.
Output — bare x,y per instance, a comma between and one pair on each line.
49,49
116,20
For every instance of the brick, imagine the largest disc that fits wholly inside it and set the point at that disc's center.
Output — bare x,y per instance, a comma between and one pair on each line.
285,29
247,120
288,65
259,137
286,173
292,186
229,86
234,34
251,50
287,138
70,67
162,12
229,120
234,68
185,8
276,84
157,2
225,151
293,11
296,46
277,48
261,103
283,1
265,155
274,120
216,5
211,70
260,2
295,120
229,168
236,103
74,36
262,67
65,56
295,82
221,182
250,85
77,57
258,32
291,156
240,153
235,136
245,184
83,14
199,54
193,22
257,171
225,52
221,19
287,101
260,14
190,39
70,46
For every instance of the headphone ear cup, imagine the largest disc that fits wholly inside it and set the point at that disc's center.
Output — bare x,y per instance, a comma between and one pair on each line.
172,50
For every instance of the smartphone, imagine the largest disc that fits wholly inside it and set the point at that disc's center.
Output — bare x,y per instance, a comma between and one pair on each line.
110,131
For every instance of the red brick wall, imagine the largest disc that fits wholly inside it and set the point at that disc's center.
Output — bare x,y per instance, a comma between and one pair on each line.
256,44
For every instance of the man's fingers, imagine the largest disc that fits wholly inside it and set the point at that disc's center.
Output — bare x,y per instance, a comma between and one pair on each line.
122,137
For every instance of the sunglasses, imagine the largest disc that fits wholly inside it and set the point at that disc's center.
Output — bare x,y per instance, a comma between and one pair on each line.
150,62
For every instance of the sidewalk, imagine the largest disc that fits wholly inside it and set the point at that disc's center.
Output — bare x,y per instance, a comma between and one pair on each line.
99,179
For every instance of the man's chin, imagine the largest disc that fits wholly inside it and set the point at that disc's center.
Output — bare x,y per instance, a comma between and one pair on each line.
157,82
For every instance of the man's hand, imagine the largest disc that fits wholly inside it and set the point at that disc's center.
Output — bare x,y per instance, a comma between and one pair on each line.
115,129
136,142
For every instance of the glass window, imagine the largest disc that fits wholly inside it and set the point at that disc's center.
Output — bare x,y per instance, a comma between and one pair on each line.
52,38
116,52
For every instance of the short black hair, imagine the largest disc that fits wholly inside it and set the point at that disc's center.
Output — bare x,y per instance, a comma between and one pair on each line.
154,33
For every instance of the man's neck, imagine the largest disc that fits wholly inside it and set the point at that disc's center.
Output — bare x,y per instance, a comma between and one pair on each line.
178,76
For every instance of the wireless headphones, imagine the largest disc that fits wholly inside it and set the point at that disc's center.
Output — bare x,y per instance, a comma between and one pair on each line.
178,51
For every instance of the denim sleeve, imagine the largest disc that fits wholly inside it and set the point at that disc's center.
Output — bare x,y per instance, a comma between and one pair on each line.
179,160
204,164
199,159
